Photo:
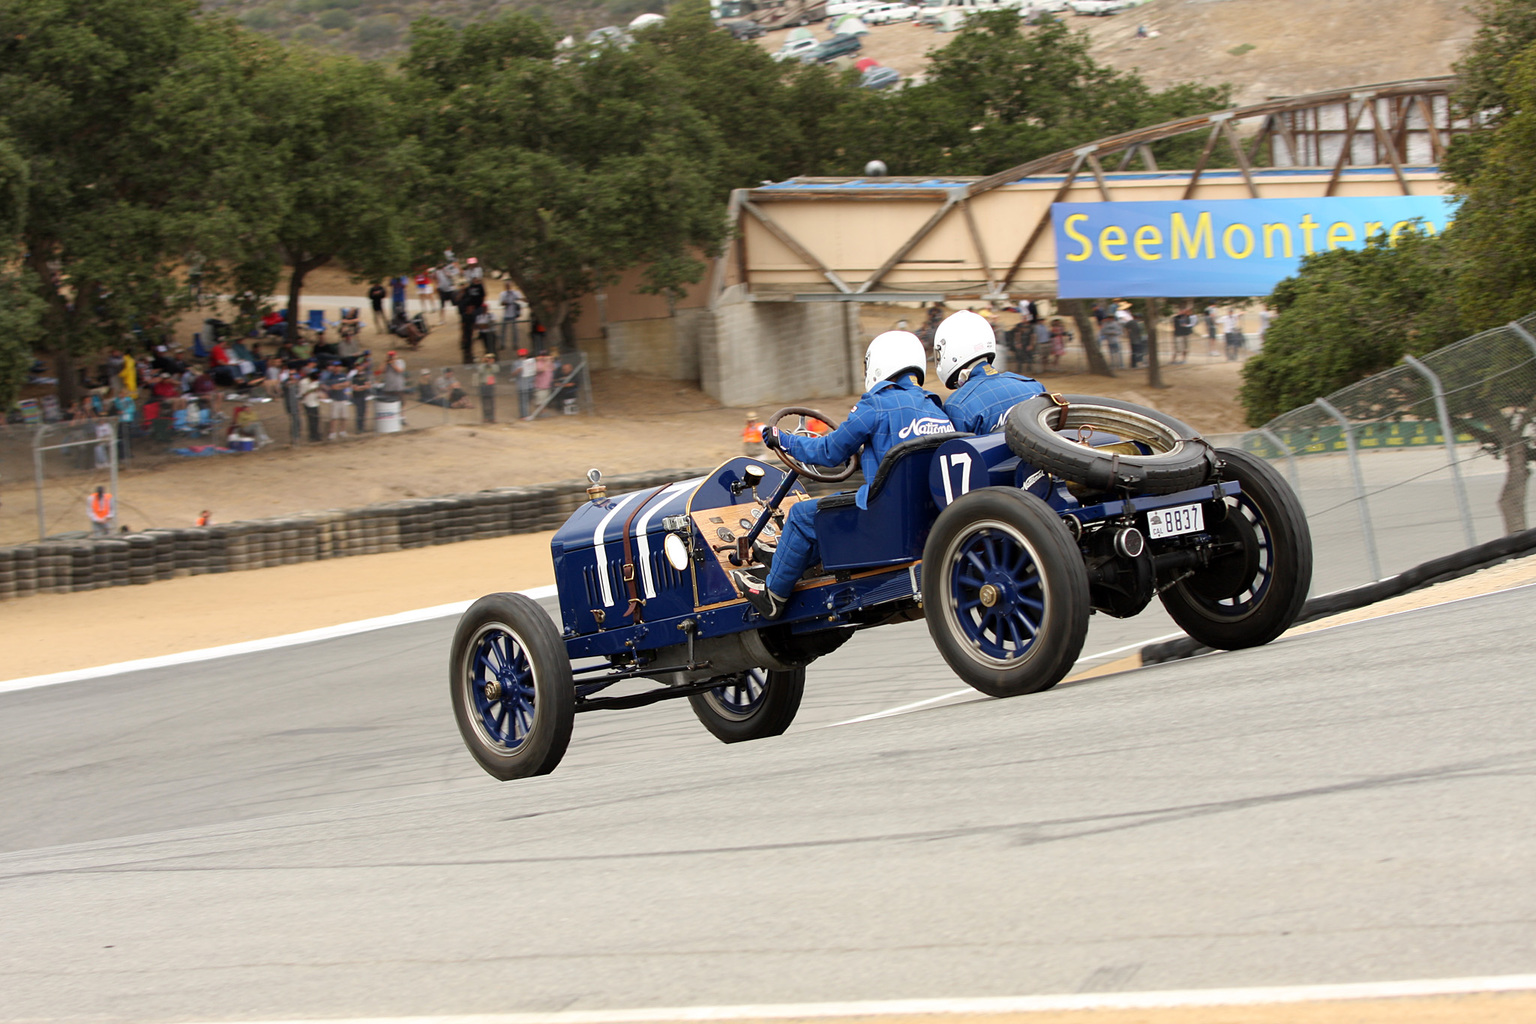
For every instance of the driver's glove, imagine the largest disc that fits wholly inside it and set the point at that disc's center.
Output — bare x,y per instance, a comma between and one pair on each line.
771,438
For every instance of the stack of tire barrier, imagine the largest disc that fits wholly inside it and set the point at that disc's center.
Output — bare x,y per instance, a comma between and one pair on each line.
64,566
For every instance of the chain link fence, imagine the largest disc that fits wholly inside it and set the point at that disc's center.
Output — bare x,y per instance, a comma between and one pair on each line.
1423,459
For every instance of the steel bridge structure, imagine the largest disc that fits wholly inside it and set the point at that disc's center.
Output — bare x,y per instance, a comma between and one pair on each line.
876,239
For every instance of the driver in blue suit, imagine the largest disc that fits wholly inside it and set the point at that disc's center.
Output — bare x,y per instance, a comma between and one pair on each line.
963,349
893,408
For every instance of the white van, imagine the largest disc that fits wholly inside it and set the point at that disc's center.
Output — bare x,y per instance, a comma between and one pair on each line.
845,7
884,14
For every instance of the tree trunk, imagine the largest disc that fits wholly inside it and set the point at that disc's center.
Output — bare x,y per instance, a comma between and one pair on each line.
64,371
1154,365
1088,332
301,268
1512,496
59,322
564,326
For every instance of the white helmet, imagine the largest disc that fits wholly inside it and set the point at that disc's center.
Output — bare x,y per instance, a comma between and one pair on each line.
893,353
962,338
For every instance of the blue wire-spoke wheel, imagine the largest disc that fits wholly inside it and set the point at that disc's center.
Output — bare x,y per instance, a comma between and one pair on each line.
1257,583
500,680
740,696
750,705
1005,592
510,681
996,594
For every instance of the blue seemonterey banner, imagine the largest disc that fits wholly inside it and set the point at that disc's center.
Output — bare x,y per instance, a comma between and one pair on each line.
1218,247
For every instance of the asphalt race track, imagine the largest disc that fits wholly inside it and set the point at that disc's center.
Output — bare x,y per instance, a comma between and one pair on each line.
300,833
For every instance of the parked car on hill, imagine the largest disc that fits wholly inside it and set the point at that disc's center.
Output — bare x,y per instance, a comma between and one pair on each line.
1032,9
879,78
936,12
885,14
796,48
843,8
832,48
1099,8
743,29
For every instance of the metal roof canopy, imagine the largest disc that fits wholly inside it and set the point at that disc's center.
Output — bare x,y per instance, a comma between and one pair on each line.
899,240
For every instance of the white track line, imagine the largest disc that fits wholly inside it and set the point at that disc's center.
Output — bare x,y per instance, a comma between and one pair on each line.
270,643
905,708
987,1005
968,692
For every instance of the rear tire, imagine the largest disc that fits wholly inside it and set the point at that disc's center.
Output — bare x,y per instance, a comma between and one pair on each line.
1250,597
1005,592
750,705
510,682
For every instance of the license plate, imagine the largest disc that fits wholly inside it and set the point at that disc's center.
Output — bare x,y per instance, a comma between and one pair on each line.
1170,522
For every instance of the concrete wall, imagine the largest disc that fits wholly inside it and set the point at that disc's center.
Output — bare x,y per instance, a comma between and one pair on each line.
765,352
663,347
741,352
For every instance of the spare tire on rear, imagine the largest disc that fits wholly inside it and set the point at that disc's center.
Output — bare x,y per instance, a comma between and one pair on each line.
1179,460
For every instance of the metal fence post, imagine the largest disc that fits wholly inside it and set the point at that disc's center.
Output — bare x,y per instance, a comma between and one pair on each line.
1529,340
1366,530
37,471
112,451
1290,457
1450,447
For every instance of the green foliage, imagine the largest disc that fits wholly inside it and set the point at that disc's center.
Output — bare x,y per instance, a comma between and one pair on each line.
126,116
260,19
562,173
1349,314
1001,94
1508,28
1496,223
20,328
378,32
326,171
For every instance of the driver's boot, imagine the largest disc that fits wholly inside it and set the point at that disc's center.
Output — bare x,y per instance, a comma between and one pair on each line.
763,556
768,604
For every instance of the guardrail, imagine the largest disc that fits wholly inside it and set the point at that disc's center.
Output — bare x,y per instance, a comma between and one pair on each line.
66,566
1417,461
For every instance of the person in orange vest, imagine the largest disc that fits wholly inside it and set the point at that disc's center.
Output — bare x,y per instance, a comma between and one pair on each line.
752,436
102,513
203,518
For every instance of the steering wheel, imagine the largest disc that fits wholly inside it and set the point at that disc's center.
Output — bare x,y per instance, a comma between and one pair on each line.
821,473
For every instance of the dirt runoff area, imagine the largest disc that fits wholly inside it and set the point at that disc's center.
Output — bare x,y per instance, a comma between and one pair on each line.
642,423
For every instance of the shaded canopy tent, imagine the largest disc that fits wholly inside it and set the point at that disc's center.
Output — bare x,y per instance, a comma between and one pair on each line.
799,33
851,26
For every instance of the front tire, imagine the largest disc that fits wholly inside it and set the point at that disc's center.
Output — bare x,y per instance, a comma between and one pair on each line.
750,705
1251,596
510,682
1005,592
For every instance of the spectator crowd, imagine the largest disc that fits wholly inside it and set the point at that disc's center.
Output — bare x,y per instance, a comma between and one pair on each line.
320,371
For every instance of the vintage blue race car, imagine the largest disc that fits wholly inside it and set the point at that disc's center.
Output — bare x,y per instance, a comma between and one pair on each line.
1004,542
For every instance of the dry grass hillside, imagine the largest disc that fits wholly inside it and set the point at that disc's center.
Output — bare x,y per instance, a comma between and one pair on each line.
1284,47
1263,48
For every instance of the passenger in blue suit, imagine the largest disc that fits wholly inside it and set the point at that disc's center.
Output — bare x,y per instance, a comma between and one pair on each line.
963,349
894,408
